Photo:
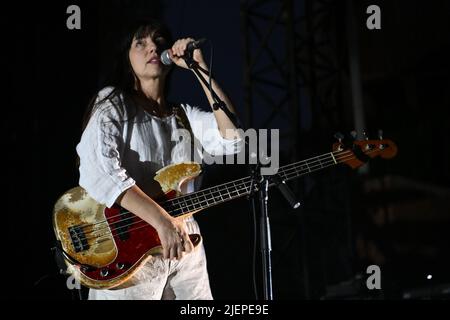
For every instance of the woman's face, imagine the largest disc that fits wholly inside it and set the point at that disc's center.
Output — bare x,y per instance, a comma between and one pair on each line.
144,57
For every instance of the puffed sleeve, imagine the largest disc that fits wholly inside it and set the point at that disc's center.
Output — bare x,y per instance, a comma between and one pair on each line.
205,129
99,150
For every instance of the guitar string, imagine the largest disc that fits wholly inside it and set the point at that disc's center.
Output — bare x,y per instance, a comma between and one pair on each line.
292,175
314,168
106,236
192,195
108,232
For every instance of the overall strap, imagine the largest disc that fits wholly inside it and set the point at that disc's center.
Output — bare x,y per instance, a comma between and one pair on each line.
183,122
182,118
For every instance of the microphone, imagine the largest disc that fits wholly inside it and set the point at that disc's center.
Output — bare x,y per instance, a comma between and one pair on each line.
191,46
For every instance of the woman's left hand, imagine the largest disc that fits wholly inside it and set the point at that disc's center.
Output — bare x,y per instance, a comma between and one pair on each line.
179,49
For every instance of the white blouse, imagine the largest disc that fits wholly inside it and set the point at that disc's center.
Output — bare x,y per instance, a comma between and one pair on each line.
121,147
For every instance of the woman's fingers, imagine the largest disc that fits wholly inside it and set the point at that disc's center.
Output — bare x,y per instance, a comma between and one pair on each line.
173,253
187,245
176,241
180,251
179,47
166,251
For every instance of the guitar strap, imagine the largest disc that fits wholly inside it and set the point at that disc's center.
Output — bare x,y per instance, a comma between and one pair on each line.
59,257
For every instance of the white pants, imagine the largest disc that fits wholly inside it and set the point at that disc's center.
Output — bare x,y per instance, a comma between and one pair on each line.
159,278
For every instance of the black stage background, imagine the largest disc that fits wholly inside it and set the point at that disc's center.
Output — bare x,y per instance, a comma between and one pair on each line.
396,215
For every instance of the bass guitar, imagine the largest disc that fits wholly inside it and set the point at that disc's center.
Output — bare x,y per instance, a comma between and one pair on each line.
104,247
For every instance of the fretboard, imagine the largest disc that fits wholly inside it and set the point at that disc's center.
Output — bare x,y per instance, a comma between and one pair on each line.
209,197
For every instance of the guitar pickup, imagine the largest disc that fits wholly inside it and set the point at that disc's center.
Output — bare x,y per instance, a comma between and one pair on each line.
78,238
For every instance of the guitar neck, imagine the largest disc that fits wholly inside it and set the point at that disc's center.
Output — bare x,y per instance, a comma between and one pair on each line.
209,197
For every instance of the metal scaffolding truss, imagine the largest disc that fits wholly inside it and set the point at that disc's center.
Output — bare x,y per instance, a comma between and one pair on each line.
291,67
293,62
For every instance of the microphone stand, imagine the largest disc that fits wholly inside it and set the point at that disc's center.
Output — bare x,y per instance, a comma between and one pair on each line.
218,103
263,183
259,183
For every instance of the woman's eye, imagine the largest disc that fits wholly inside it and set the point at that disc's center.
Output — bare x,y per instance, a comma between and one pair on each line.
160,41
139,43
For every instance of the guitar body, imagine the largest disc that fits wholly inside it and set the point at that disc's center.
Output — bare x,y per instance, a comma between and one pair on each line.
105,247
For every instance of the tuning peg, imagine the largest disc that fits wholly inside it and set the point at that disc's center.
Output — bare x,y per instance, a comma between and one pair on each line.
365,135
339,136
380,134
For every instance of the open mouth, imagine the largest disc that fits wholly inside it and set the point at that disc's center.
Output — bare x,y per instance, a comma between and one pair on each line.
154,61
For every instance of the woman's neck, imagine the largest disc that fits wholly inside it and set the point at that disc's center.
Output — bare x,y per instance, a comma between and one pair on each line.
151,96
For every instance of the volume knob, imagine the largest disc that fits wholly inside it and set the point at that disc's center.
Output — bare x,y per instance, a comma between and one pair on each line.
104,272
120,265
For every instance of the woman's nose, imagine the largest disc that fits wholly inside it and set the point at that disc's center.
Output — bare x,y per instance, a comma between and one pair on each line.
151,48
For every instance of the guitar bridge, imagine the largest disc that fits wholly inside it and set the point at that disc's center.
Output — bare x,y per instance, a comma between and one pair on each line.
78,237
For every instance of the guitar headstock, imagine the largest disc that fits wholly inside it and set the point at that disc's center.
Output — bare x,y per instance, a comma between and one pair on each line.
358,152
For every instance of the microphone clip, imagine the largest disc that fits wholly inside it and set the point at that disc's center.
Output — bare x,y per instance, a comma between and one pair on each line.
189,59
285,191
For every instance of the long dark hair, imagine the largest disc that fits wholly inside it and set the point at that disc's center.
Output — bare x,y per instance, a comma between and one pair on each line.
121,76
